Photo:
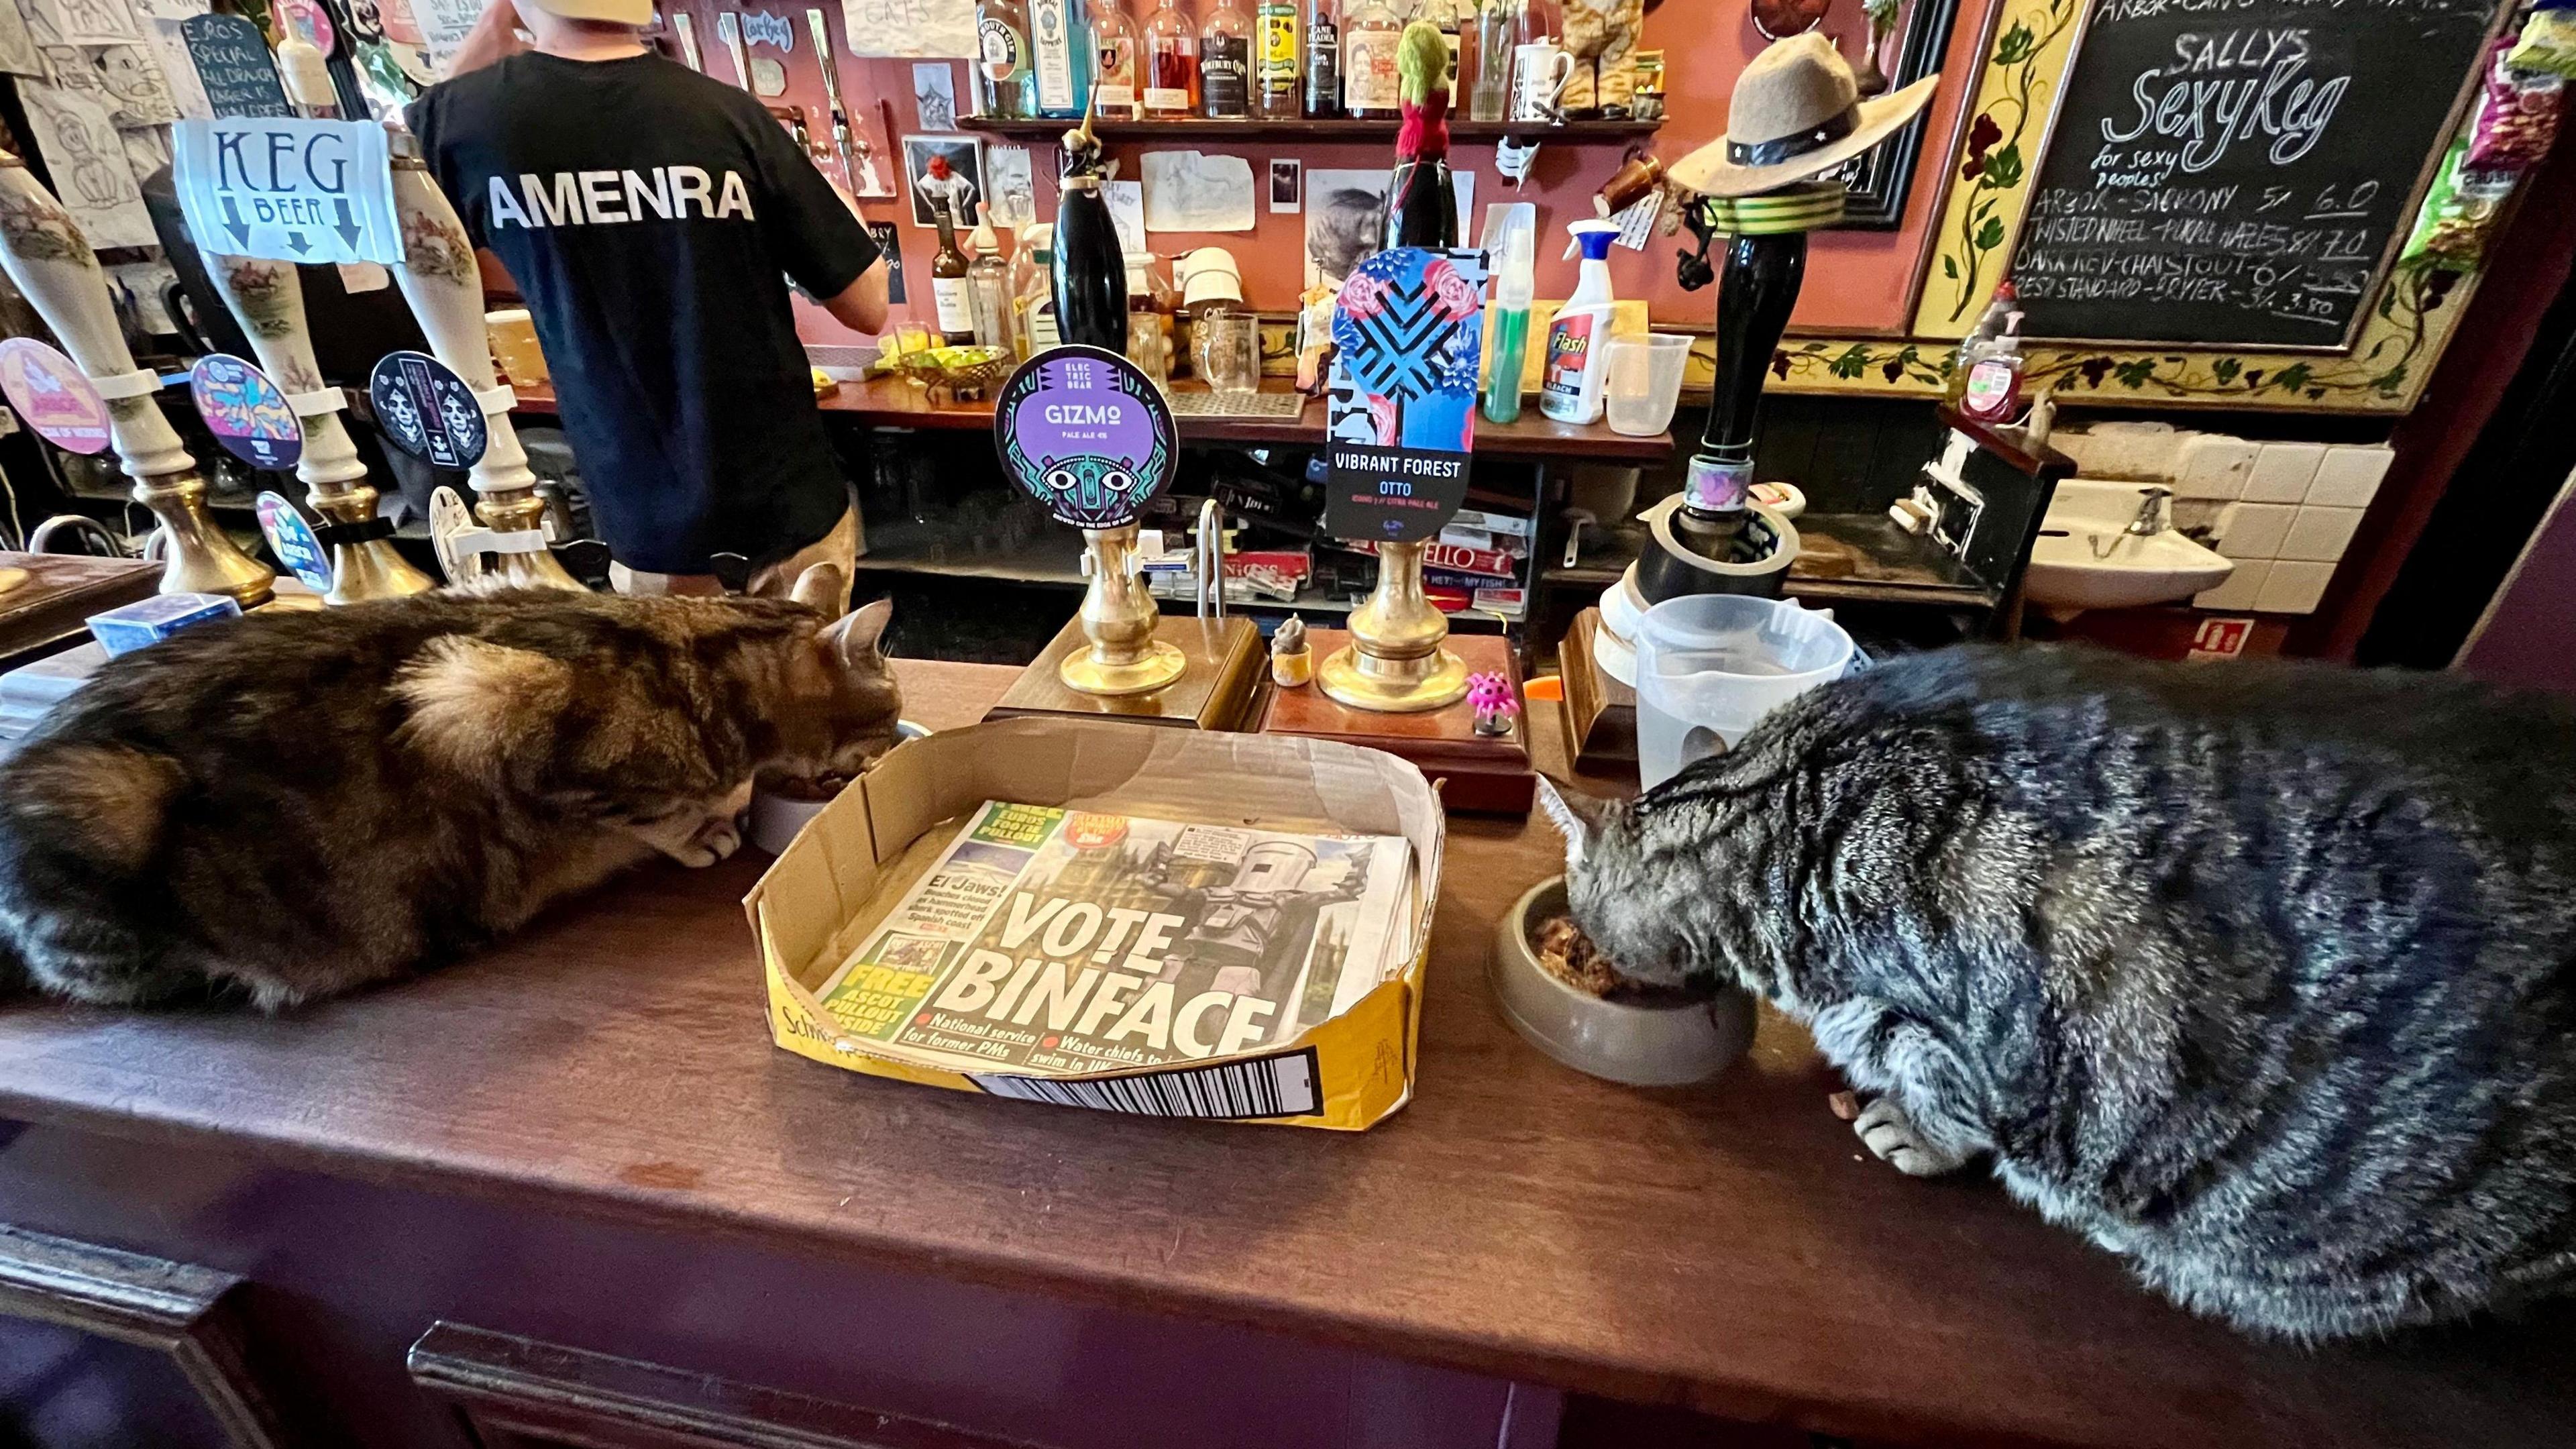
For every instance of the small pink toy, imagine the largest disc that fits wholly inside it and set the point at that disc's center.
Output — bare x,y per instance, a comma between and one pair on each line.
1491,696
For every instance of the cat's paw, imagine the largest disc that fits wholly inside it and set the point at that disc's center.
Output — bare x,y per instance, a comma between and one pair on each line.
1887,1131
716,840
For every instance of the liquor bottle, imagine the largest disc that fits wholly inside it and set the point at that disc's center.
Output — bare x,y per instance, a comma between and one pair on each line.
1002,70
1225,64
1324,60
1171,62
1369,37
1281,75
951,298
1115,89
1090,271
1061,51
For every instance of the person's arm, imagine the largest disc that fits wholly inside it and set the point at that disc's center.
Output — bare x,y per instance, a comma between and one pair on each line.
861,306
815,232
494,36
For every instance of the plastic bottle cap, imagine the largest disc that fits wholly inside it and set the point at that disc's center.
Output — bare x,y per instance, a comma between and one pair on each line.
1594,237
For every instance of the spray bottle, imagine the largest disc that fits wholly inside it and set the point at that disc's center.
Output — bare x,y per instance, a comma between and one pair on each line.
1513,288
1578,341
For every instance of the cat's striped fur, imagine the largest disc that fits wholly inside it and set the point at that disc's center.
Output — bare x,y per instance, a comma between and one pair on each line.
2261,975
293,804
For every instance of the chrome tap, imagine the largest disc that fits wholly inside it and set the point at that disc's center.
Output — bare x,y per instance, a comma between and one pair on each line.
2154,513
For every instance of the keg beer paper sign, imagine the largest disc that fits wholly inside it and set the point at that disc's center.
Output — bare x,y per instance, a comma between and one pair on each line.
427,410
55,397
287,189
1400,415
1087,434
246,412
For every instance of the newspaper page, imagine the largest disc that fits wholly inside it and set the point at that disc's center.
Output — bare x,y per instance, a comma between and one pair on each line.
1067,942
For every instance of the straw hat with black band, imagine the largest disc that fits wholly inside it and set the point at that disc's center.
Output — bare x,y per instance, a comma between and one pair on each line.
1796,114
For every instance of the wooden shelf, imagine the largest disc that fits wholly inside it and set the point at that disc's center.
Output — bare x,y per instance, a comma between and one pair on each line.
1309,132
891,403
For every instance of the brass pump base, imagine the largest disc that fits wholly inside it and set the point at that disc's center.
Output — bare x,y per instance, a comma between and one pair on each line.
1159,665
1395,664
1119,617
1392,686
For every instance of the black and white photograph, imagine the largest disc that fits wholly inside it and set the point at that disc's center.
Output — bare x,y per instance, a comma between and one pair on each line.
934,94
1346,218
944,166
1287,184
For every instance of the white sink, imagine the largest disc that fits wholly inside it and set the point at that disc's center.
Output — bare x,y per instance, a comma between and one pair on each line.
2086,558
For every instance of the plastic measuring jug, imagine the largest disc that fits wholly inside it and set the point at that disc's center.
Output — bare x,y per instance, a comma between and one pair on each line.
1710,666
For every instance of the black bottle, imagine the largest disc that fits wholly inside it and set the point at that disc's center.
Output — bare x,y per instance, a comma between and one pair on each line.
1090,269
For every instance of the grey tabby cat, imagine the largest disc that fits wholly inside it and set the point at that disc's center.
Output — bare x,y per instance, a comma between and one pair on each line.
299,803
2262,976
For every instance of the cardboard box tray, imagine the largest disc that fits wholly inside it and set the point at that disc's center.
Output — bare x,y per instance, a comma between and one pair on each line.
849,866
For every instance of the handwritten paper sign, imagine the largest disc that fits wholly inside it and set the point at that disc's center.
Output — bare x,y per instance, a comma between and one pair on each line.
921,29
288,190
443,25
234,66
2236,177
1400,413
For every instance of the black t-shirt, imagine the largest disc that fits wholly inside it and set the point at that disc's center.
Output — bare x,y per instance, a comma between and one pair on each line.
648,214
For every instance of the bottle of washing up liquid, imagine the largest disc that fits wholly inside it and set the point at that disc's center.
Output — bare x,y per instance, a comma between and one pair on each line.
1578,341
1993,392
1512,291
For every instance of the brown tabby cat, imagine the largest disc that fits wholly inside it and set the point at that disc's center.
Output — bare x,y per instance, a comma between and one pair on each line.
300,803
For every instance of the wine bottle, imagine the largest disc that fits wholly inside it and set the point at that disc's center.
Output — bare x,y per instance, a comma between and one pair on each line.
1421,200
951,298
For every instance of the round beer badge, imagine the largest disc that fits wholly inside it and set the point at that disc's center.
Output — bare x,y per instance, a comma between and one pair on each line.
55,397
427,410
1087,433
246,412
292,540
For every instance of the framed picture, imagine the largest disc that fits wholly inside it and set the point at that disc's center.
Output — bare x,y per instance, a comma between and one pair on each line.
1910,45
963,184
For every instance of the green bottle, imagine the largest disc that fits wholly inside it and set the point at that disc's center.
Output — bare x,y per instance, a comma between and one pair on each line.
1513,287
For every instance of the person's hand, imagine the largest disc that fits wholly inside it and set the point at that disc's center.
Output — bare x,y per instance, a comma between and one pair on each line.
495,35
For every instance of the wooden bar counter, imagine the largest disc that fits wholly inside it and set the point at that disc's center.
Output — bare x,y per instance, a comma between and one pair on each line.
585,1138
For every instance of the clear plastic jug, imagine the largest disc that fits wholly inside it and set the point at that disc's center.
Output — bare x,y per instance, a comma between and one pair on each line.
1710,666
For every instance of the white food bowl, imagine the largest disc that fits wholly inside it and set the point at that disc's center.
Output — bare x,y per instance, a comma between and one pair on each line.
775,819
1641,1045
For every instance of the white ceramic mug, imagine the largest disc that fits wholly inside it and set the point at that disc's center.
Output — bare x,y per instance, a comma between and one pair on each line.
1540,70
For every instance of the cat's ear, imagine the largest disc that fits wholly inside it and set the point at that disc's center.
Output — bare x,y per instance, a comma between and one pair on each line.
1578,818
822,586
856,637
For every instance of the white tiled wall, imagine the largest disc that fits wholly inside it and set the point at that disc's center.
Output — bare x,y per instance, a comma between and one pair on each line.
2291,523
2285,512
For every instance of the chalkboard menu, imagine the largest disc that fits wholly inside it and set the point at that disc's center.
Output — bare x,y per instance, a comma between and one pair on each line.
2234,173
234,64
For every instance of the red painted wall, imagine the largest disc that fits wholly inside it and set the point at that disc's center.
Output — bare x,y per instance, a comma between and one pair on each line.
1857,282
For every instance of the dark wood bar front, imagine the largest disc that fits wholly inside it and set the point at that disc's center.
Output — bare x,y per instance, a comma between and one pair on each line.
586,1139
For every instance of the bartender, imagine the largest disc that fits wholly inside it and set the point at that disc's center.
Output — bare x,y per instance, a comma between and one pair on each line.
648,215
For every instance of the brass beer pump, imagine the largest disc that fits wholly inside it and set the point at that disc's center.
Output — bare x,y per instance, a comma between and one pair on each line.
45,254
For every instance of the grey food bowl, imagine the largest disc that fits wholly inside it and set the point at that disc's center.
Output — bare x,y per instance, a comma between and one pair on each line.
1652,1045
775,819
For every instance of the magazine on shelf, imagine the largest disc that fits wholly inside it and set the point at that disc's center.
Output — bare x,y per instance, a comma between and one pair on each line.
1068,942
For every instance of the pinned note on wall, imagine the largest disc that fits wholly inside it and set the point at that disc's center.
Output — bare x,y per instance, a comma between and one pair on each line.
918,29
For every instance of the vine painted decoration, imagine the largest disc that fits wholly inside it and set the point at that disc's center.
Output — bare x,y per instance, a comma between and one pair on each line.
1987,192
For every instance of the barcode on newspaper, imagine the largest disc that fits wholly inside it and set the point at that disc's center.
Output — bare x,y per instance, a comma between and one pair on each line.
1282,1086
